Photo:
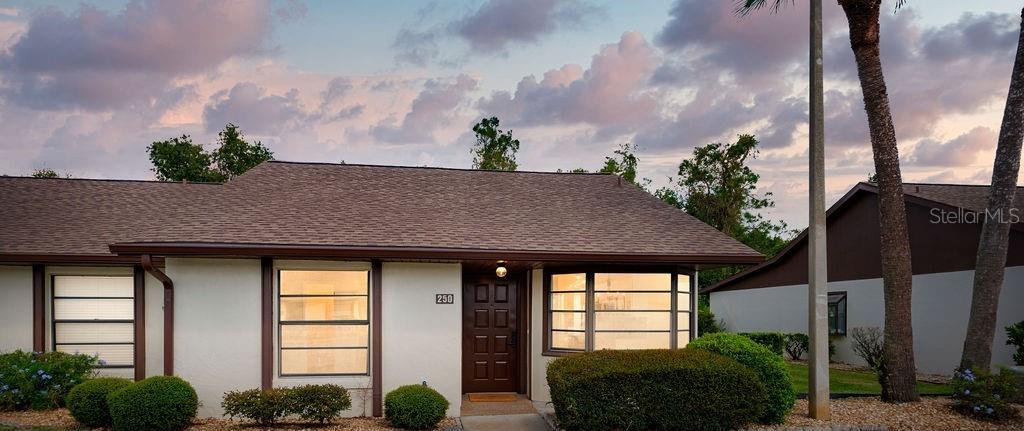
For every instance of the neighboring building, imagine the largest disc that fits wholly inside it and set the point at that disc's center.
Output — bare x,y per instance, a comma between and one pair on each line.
944,224
366,276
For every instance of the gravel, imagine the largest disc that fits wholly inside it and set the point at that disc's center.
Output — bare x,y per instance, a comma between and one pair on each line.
61,419
931,414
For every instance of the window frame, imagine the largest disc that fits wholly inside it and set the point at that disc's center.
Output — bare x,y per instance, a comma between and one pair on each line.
280,323
841,304
590,311
54,320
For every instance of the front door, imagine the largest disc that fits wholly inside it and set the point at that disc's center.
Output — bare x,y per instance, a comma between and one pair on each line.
489,339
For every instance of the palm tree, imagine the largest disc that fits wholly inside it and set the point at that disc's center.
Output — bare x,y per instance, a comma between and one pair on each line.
899,384
995,232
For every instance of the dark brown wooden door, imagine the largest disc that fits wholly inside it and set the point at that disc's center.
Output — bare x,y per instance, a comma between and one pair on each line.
489,323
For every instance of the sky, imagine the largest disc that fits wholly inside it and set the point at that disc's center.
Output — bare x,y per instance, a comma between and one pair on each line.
86,86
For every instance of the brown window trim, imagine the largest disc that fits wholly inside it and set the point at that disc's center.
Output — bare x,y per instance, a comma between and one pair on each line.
590,270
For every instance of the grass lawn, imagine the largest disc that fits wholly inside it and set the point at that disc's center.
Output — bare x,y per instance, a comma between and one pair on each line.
845,382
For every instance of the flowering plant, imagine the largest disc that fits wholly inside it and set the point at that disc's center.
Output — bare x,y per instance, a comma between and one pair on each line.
983,395
38,381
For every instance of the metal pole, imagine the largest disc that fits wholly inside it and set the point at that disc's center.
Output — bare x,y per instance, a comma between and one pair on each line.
817,277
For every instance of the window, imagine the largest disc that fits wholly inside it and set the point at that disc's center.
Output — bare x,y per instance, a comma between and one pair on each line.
837,313
595,311
324,326
95,315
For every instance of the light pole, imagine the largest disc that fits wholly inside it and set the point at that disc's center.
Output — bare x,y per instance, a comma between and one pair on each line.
817,276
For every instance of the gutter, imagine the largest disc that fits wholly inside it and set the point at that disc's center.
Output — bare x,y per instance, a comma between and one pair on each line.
147,264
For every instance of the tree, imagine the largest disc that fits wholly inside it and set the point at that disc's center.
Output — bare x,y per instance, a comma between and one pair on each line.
45,173
494,149
995,230
179,159
623,163
863,19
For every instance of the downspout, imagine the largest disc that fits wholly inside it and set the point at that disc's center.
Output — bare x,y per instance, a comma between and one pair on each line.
147,264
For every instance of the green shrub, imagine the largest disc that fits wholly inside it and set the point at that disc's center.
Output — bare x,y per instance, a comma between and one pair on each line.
263,406
985,396
160,403
1015,337
414,407
769,366
319,403
87,402
796,345
774,341
706,322
39,381
653,389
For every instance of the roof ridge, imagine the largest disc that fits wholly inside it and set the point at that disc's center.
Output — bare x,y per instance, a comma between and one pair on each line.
950,185
109,180
439,168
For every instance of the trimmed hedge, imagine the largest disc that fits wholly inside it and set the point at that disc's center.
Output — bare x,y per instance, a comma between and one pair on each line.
159,403
414,407
263,406
769,366
318,403
774,341
653,389
87,402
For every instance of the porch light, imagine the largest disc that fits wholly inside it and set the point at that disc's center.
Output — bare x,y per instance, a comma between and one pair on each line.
501,271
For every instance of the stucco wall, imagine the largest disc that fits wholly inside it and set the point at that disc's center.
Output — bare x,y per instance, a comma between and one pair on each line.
15,308
422,341
941,306
538,362
216,326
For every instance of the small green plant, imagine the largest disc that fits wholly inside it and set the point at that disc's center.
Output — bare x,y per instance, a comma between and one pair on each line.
645,389
706,322
774,341
40,381
985,396
159,403
318,403
263,406
770,367
797,345
87,402
414,407
1015,337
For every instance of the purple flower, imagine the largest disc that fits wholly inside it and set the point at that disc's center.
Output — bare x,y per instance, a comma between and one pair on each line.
102,362
967,391
977,409
989,410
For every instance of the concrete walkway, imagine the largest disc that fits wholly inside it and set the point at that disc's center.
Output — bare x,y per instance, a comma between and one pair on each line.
517,422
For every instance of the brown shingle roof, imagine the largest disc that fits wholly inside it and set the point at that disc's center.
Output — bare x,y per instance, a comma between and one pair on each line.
968,197
313,204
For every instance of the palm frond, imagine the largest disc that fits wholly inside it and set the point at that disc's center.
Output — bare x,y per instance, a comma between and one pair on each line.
899,4
744,7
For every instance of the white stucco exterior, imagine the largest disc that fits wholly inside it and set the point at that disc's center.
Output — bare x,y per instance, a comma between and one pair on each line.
15,308
941,306
422,341
216,326
538,362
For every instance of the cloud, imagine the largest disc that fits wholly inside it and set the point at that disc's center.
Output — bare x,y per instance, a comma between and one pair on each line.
93,59
960,151
247,106
432,109
499,23
609,92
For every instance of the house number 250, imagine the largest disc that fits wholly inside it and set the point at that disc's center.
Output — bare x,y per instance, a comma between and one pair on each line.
444,298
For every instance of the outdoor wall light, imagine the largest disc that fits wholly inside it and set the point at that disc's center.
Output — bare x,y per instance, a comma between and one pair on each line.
501,271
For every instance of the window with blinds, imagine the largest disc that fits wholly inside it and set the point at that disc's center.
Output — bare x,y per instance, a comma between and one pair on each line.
95,315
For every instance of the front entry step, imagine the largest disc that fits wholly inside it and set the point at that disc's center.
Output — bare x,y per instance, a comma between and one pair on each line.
519,405
493,397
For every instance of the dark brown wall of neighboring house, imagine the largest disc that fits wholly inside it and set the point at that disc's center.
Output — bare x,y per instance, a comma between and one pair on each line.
853,247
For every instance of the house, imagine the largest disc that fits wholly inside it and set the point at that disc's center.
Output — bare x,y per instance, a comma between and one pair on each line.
944,222
370,277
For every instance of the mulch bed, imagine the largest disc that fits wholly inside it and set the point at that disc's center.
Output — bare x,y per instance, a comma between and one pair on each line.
60,419
931,414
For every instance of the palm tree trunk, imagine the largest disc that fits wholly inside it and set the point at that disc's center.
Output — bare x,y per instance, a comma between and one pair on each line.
900,383
995,232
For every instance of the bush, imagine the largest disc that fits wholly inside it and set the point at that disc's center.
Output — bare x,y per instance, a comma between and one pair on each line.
653,389
39,381
414,407
263,406
706,322
774,341
1015,337
160,403
985,396
319,403
769,366
796,345
87,402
